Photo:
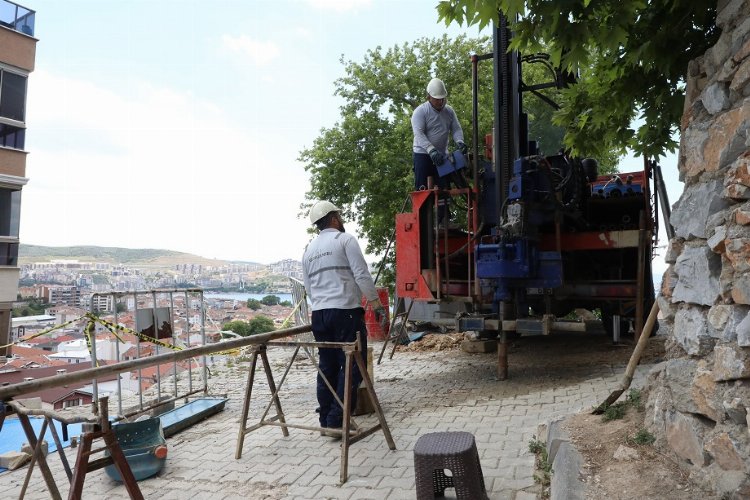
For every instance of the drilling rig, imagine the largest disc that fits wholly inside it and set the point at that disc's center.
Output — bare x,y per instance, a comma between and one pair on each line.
544,234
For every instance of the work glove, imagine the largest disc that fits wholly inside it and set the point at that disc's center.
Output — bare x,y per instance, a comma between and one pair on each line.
380,316
462,147
437,157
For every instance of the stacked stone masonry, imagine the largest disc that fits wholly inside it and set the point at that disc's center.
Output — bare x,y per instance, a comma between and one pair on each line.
699,403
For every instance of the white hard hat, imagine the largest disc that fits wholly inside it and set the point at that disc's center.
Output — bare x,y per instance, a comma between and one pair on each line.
322,208
436,89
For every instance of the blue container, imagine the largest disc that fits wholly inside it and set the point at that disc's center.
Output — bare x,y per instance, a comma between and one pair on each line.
144,447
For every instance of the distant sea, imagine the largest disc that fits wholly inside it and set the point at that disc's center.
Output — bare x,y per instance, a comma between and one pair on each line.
245,296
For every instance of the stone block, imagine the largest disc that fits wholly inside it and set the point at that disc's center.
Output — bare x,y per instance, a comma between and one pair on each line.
685,437
698,272
565,472
731,362
693,141
26,448
674,249
12,460
741,77
691,331
728,13
678,378
479,346
724,450
666,309
717,241
743,332
703,393
668,282
697,203
741,289
725,320
726,137
715,97
742,215
735,410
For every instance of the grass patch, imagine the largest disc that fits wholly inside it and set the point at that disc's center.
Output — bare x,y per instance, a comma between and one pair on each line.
634,399
614,412
543,475
642,437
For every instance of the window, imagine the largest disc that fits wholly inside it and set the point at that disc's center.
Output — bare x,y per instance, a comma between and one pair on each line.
8,254
10,212
12,137
12,95
72,402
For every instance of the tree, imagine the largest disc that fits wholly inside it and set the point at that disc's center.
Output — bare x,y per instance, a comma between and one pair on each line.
363,163
286,303
260,324
270,300
121,307
253,304
238,327
632,56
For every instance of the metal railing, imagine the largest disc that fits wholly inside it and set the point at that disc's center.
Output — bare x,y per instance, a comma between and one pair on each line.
17,17
27,387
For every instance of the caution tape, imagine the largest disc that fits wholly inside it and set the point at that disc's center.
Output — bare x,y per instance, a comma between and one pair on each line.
39,334
285,323
112,327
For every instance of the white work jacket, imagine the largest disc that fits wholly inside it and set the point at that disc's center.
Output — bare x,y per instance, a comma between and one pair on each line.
335,272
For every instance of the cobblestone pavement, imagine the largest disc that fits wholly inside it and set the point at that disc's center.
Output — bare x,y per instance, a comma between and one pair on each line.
419,392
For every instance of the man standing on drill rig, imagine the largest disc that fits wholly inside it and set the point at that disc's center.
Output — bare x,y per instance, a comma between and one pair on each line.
433,123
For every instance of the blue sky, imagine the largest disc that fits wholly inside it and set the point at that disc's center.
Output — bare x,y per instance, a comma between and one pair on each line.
176,124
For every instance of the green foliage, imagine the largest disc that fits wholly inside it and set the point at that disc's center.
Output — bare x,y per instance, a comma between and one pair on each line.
363,163
642,437
634,398
238,327
631,56
270,300
543,475
614,412
33,307
286,303
121,307
261,324
253,304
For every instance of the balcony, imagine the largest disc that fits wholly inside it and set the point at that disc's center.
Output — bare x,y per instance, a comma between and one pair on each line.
17,42
17,17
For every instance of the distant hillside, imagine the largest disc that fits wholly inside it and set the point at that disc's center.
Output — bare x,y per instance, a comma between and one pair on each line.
130,256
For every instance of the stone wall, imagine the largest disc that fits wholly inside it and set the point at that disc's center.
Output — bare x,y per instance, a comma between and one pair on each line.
699,399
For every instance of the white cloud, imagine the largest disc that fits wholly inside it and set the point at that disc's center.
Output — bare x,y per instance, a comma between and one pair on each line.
155,168
261,53
339,5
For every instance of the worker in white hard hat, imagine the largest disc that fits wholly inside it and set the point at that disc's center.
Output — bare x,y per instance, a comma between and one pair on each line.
336,277
433,123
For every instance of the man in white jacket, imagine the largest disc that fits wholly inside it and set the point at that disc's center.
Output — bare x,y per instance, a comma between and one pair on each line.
336,277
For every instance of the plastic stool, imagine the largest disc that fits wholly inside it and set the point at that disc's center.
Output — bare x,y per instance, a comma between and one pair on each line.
455,451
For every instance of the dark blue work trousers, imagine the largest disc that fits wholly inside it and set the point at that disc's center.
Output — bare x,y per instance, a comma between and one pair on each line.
424,168
337,325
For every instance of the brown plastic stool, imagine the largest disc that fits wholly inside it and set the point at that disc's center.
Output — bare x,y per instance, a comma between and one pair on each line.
454,451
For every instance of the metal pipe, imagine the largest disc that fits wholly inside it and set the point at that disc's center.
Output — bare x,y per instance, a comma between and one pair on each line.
11,391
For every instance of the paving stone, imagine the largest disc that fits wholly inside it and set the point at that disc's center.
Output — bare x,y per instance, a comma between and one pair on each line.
424,393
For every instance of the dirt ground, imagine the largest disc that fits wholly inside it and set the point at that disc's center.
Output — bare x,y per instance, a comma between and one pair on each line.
640,471
646,474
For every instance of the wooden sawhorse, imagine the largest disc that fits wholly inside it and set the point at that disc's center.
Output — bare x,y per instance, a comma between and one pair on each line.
349,436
